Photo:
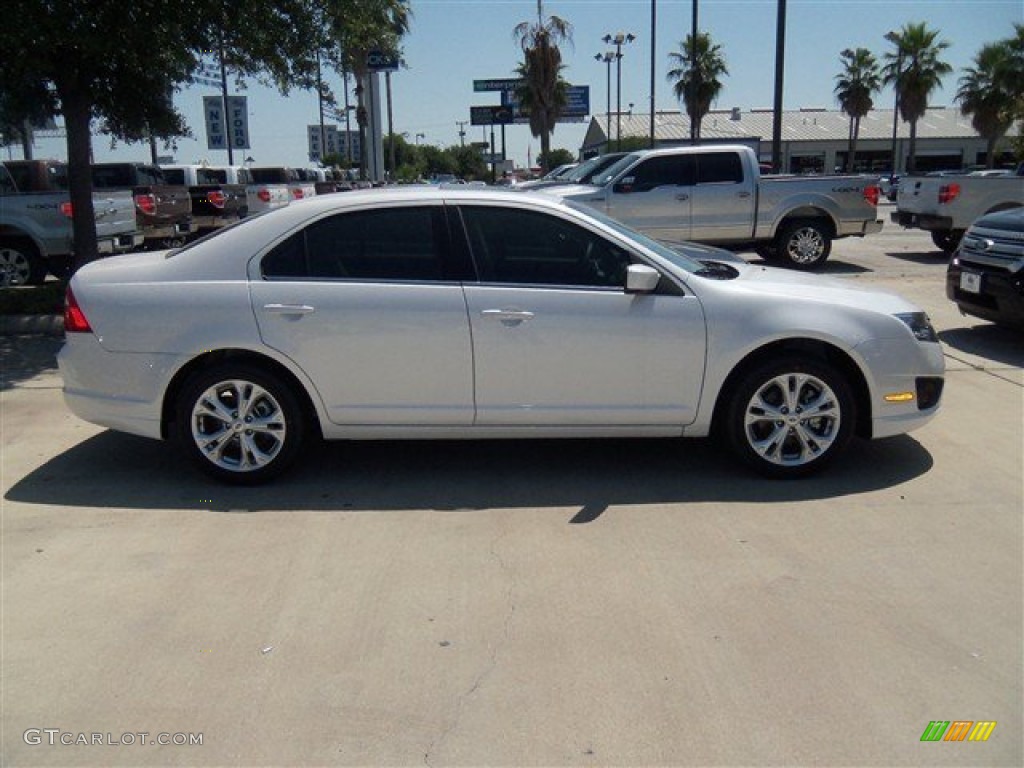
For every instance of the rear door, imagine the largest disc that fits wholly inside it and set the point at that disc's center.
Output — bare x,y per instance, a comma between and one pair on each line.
370,305
722,201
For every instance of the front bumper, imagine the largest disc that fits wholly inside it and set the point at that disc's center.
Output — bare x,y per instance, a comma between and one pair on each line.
1000,298
902,367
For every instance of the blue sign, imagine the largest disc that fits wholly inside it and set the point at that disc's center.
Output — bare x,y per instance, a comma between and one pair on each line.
576,110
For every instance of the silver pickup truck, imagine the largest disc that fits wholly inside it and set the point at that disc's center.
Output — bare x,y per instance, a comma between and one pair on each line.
35,226
715,194
946,205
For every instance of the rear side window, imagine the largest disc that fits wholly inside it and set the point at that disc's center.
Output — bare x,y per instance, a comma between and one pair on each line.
211,176
269,175
719,168
404,243
112,177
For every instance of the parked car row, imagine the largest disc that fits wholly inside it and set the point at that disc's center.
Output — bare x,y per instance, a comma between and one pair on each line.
138,206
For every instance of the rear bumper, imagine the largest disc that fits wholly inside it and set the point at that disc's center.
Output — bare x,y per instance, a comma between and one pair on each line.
927,221
181,228
206,223
120,243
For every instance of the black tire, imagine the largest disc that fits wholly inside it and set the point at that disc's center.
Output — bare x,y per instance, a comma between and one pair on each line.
947,240
804,243
246,455
20,263
767,427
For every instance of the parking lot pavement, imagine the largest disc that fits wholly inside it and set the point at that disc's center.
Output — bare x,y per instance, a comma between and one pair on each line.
525,603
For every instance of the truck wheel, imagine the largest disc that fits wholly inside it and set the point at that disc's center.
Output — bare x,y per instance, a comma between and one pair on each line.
947,240
20,263
804,244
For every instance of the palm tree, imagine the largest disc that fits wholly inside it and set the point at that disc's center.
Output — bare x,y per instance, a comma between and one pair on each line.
697,88
983,95
915,70
357,27
854,85
544,92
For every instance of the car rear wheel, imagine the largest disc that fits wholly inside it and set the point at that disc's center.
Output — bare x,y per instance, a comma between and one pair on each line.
804,244
239,423
20,263
790,417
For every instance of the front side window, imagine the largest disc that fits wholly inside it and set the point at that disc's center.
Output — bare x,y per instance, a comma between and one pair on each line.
667,170
405,243
529,247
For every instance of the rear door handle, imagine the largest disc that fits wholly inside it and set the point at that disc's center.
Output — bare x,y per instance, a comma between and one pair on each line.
742,194
288,309
683,196
507,317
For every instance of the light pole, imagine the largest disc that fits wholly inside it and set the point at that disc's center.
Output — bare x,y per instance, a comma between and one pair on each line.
607,58
894,38
462,131
618,41
420,136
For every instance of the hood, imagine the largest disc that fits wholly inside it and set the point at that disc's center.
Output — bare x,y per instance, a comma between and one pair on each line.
786,283
577,192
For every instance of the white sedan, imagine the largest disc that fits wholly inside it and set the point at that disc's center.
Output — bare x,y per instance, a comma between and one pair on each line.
476,313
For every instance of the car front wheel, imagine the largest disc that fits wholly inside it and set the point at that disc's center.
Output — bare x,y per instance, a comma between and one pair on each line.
790,417
239,423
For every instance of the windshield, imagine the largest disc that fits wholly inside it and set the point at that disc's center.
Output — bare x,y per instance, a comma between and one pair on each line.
680,260
585,172
605,177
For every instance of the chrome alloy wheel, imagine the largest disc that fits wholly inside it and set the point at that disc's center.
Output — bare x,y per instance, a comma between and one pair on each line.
238,425
15,268
792,419
805,246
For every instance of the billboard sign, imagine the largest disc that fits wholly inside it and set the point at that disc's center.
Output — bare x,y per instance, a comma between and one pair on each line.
497,84
577,105
332,141
222,128
490,115
379,61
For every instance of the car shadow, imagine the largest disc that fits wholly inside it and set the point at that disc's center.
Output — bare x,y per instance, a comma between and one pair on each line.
992,342
936,257
114,470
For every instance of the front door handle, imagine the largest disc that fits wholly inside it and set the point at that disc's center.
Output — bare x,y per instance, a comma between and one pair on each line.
742,194
509,317
682,196
288,309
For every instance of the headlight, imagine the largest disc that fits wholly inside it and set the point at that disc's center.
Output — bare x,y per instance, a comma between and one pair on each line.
919,325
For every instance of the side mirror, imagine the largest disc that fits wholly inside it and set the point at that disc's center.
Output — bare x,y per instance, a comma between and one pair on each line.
624,186
641,279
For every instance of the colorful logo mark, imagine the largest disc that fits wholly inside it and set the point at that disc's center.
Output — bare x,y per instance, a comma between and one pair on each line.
958,730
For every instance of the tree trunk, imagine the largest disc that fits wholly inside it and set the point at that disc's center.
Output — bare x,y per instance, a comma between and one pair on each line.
852,161
83,222
911,164
990,152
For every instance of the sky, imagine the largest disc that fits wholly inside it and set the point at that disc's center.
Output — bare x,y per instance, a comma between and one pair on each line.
451,43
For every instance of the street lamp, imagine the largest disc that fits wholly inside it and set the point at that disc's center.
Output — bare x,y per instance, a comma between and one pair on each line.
894,38
618,41
607,58
420,136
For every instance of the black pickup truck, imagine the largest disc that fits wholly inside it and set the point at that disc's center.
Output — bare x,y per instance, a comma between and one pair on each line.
215,203
163,211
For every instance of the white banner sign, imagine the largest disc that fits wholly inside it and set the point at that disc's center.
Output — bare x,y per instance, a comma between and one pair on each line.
333,146
233,126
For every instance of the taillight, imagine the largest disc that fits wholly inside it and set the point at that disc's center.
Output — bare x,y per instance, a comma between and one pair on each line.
74,317
871,193
146,204
67,209
216,198
296,193
264,194
948,193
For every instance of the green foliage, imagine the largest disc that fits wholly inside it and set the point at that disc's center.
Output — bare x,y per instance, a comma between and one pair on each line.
632,143
987,96
557,157
855,85
697,88
469,163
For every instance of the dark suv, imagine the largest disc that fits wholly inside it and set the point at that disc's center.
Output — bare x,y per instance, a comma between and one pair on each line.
986,274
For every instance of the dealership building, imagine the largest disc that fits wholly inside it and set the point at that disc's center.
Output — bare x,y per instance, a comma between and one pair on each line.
813,140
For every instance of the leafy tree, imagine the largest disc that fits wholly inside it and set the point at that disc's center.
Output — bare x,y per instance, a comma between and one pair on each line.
854,85
985,97
119,62
469,163
915,70
699,88
633,143
544,93
557,157
354,28
436,160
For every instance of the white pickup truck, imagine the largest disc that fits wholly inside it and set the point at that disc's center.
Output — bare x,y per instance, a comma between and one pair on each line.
946,205
715,194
